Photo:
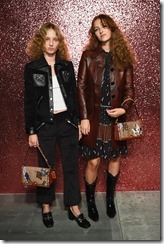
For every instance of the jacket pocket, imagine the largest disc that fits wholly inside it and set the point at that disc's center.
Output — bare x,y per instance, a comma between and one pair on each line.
66,75
39,80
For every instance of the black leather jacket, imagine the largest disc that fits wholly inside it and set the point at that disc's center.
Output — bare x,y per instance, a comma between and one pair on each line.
38,95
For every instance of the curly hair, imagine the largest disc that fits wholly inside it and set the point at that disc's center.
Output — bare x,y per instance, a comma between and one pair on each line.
122,53
34,48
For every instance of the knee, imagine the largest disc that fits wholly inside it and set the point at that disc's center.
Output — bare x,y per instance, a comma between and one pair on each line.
114,160
93,164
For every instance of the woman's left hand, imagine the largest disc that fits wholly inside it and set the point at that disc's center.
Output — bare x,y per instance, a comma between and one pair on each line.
116,112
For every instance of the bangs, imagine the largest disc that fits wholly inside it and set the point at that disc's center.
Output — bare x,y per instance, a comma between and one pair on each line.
104,22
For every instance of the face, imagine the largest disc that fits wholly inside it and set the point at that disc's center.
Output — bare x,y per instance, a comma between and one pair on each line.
51,43
103,33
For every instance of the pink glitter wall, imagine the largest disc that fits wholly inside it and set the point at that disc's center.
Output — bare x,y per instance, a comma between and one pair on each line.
140,20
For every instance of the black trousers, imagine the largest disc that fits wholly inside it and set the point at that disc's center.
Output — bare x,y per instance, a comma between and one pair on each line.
66,136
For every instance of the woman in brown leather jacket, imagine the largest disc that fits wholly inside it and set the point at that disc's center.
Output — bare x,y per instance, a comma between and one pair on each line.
105,93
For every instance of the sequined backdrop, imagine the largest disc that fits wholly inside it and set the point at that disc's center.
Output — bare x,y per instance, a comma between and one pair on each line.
140,20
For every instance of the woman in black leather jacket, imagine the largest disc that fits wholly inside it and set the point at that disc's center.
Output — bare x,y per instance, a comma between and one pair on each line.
51,116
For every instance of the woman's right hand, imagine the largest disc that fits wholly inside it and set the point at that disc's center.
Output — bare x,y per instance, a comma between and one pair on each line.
33,140
85,126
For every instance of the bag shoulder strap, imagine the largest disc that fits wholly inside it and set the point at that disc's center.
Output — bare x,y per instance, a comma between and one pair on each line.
40,150
138,117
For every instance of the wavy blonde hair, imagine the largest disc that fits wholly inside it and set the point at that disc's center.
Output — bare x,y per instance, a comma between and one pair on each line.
34,48
122,53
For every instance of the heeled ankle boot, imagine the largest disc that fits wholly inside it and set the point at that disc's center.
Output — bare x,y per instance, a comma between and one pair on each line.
90,196
110,192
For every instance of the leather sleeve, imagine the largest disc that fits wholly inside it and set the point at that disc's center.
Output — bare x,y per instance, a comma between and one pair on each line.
29,103
129,92
82,87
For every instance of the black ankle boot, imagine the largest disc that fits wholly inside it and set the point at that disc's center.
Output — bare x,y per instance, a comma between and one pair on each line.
110,192
90,196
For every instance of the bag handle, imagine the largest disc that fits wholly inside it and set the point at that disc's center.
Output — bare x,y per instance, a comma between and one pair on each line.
138,117
44,156
40,150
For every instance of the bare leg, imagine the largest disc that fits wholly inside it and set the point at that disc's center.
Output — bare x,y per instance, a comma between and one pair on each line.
46,208
114,166
92,170
75,210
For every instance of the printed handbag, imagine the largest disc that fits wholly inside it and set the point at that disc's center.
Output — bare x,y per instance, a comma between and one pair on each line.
37,176
128,130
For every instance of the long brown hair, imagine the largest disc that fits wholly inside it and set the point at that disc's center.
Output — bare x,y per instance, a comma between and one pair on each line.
34,48
122,53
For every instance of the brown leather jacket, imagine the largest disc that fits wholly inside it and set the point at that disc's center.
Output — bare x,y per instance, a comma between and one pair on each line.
90,76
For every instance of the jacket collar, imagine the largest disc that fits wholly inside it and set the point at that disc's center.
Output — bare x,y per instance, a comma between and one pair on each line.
41,62
97,51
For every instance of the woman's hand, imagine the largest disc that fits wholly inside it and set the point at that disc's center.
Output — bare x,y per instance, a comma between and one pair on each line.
116,112
85,126
33,140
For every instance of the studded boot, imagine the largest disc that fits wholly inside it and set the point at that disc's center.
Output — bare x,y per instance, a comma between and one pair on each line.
90,196
110,192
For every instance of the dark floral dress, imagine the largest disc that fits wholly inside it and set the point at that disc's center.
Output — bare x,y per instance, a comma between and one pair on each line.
103,146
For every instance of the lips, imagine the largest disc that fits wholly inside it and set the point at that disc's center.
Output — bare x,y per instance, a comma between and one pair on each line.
103,35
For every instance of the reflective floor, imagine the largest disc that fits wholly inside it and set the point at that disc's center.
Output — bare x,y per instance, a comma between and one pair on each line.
138,218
